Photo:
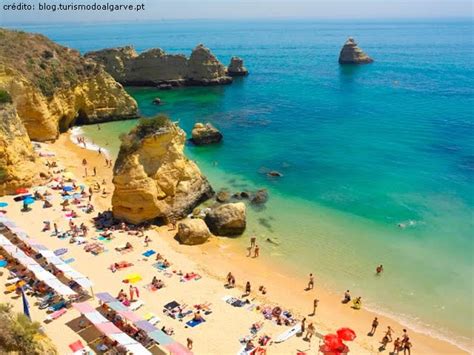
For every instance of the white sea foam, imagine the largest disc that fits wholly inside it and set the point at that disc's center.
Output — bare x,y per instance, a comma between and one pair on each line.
77,132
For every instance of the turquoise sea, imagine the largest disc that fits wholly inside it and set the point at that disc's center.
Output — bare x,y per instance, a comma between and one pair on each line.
362,149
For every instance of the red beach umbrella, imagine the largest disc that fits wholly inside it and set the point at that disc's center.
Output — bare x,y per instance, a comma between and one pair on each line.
333,342
21,190
346,334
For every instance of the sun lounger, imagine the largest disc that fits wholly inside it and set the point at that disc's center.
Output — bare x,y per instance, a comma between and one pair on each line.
149,253
136,305
152,318
56,314
193,323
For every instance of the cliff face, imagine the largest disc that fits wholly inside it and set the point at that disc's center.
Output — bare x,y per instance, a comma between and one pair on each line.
352,54
18,162
152,177
236,67
54,87
155,67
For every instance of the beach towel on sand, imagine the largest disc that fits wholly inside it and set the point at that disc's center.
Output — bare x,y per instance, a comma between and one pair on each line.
192,323
149,253
60,251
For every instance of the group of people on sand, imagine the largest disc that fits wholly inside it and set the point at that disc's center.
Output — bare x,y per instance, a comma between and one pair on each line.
253,248
403,344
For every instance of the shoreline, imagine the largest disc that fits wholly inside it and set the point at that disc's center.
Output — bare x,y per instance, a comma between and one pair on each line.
228,256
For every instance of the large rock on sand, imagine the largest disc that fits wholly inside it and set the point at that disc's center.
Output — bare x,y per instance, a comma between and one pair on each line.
154,181
236,67
54,87
155,67
352,54
19,165
193,231
227,220
204,134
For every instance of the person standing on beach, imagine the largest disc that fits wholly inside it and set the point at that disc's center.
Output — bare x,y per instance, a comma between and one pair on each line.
132,291
189,343
303,325
315,305
95,171
407,347
247,288
256,251
137,292
388,333
253,241
56,232
310,332
375,324
396,346
310,283
347,297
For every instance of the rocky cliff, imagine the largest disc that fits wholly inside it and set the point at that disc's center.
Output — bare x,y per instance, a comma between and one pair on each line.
155,67
153,179
236,67
352,54
18,161
54,87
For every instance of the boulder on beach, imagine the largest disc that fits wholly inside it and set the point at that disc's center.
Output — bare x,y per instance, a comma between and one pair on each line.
227,219
223,196
236,67
192,231
203,134
352,54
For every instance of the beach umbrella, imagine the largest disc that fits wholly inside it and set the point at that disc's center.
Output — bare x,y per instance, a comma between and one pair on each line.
346,334
21,190
26,306
333,342
28,201
3,204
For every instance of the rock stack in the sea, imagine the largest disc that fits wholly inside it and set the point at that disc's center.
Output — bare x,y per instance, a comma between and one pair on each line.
228,219
203,134
153,179
192,231
157,68
54,87
236,67
19,166
352,54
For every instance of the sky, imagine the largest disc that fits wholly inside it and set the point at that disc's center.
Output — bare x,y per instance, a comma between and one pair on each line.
247,9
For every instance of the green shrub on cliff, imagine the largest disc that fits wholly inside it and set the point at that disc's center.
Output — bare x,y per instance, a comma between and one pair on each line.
149,126
5,97
18,335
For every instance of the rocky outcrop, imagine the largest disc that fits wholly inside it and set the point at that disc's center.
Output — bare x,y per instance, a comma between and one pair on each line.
203,134
19,166
54,87
260,197
228,219
192,231
153,179
352,54
157,68
236,67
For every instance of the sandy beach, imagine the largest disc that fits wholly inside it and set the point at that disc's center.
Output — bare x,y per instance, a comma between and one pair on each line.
224,327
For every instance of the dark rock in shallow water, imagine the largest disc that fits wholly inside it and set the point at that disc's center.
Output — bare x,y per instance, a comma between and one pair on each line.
236,67
157,101
261,196
203,134
352,54
274,173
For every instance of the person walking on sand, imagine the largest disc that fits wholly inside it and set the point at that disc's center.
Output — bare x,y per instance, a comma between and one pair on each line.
147,241
95,171
396,346
247,288
189,343
303,325
310,282
310,332
56,232
315,305
407,347
256,251
132,291
253,241
379,269
388,333
375,324
137,292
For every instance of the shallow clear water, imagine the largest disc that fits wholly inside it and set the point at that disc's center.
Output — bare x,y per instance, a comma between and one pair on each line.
362,149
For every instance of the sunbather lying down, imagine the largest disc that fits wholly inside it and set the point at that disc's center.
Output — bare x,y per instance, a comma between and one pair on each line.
120,265
127,246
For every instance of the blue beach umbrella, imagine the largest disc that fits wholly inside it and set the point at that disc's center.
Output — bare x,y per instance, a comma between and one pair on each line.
26,306
28,201
3,204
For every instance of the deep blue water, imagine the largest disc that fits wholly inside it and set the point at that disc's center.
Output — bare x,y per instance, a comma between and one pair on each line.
362,149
